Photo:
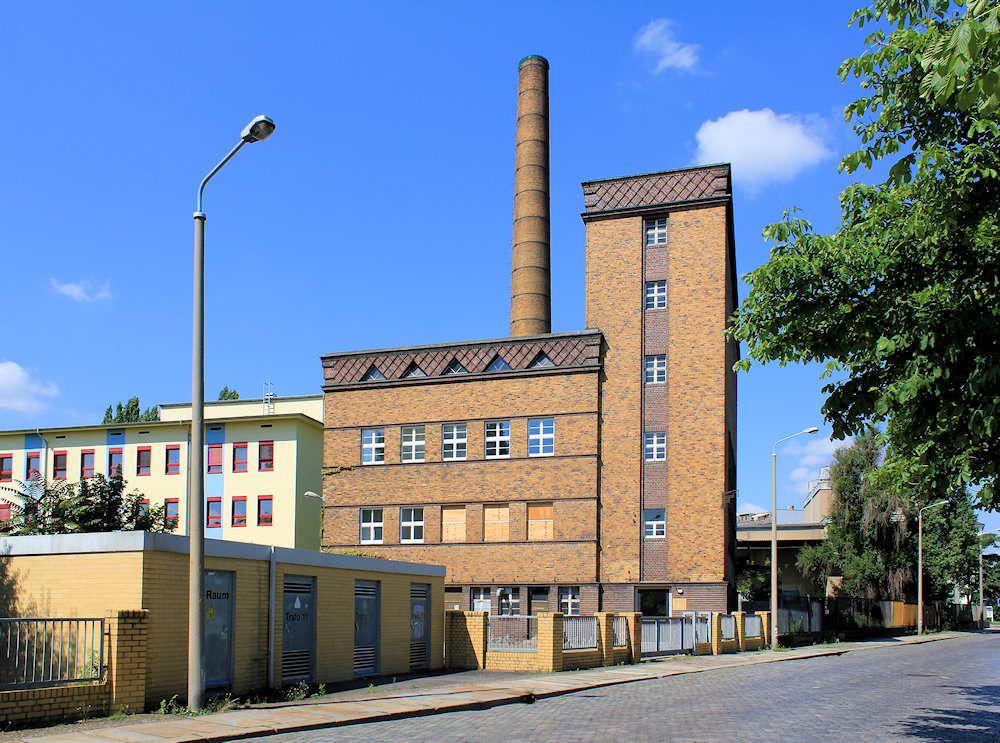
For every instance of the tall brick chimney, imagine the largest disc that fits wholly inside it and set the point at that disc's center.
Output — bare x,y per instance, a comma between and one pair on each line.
530,293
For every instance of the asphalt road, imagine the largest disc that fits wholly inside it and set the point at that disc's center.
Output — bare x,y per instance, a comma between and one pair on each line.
943,691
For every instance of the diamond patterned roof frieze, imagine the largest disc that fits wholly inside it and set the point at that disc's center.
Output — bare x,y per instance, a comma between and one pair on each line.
656,189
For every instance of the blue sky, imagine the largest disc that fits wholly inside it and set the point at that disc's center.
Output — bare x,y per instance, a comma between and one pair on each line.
379,213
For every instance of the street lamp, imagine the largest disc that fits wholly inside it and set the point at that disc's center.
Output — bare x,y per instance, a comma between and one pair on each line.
920,564
774,535
980,526
257,130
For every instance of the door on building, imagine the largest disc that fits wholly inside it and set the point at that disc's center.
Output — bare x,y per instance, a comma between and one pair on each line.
366,627
219,602
298,639
652,602
420,625
538,600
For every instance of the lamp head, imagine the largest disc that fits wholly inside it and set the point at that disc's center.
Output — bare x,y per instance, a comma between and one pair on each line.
811,429
258,130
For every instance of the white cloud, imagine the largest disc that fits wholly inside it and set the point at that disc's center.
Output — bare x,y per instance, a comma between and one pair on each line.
761,145
812,454
84,290
21,393
657,40
751,508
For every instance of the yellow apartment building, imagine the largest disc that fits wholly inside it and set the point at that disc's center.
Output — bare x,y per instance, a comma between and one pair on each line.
262,462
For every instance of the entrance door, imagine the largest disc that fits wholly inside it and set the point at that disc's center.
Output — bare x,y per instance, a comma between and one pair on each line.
420,625
538,600
298,640
366,627
219,628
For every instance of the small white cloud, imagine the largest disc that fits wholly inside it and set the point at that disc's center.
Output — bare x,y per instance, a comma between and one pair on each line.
21,393
761,145
812,454
656,39
84,291
751,508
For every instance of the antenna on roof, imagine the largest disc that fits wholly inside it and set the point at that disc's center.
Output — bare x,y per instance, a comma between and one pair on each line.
268,398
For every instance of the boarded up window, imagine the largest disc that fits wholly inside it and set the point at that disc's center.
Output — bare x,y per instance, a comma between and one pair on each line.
496,523
452,523
539,521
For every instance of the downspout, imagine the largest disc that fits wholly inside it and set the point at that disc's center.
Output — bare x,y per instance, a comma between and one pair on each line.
270,620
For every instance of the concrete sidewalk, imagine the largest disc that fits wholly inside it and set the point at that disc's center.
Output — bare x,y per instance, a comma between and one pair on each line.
436,695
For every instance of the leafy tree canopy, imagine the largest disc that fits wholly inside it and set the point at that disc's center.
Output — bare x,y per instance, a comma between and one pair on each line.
95,504
130,413
902,302
228,394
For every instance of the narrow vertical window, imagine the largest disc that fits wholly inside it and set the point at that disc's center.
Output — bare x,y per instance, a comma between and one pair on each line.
265,456
656,446
143,461
6,468
413,444
32,465
86,464
373,446
480,599
654,523
655,369
569,600
173,513
498,440
371,526
239,510
59,465
454,441
240,456
114,462
265,510
215,459
173,465
411,525
656,295
656,232
541,438
213,512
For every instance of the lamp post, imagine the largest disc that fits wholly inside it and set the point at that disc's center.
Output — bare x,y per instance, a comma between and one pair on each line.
981,527
920,564
257,130
774,534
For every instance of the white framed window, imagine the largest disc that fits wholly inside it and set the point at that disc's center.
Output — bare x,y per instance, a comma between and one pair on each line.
656,446
373,446
498,440
656,295
656,369
371,526
509,601
654,523
413,444
541,437
454,441
480,599
569,600
411,525
656,231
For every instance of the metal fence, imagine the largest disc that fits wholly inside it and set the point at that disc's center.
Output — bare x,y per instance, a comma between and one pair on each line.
753,627
513,633
621,627
38,652
663,635
579,633
727,627
702,632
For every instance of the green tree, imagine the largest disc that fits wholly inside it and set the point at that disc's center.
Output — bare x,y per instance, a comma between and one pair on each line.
901,302
753,581
130,413
228,394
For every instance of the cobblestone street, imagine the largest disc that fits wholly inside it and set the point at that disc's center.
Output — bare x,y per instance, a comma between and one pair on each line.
944,691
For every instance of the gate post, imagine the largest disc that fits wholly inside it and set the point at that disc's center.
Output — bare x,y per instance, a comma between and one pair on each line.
634,620
550,642
606,637
741,630
126,660
765,630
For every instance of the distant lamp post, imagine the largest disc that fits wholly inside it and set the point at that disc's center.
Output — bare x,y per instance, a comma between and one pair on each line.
256,131
774,534
980,527
920,564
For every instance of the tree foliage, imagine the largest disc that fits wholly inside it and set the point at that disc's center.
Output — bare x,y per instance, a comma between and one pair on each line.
901,302
130,413
228,394
95,504
872,531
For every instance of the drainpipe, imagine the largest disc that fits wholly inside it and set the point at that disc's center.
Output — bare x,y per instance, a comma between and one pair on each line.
270,621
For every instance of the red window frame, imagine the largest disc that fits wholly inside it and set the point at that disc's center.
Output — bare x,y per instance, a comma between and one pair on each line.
240,456
214,452
265,464
171,522
139,466
121,460
268,518
239,520
36,472
6,467
86,471
5,512
59,471
172,468
210,519
144,505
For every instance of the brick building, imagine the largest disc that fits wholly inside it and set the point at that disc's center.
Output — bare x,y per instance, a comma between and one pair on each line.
561,472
